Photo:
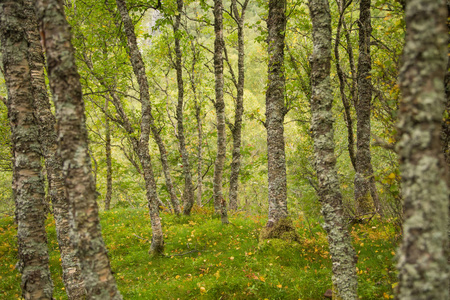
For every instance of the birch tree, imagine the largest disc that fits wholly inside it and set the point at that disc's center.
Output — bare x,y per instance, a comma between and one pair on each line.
342,252
73,148
422,264
28,181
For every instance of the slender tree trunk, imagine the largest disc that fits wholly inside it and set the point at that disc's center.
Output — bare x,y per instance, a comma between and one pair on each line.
275,111
422,264
126,124
147,122
199,153
188,188
108,159
166,170
342,81
198,117
342,252
73,148
239,109
73,282
220,205
28,180
365,191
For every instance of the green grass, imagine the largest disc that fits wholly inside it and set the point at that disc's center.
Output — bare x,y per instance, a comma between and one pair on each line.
224,262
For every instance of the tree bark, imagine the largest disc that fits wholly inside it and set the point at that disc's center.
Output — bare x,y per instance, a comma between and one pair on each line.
188,187
108,159
239,109
366,196
342,252
73,282
342,5
73,148
220,205
275,112
147,122
422,264
28,180
198,117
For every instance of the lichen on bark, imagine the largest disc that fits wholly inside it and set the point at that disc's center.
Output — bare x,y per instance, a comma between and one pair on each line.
220,205
422,257
73,149
28,182
70,263
275,111
343,255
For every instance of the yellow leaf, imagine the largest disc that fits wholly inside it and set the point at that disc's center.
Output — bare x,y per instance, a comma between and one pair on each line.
279,286
178,276
202,290
262,279
391,176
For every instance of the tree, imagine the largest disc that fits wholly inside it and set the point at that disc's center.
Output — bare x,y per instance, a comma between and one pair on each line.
342,252
275,112
73,148
48,139
365,190
188,188
422,264
147,124
28,182
220,205
108,158
236,128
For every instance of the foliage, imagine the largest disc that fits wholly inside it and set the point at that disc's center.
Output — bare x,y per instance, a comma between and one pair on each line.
205,260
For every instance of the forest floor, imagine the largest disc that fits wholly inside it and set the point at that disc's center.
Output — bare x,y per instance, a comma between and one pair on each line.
206,260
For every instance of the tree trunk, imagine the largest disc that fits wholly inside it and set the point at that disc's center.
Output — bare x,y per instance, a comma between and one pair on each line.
188,188
342,82
108,159
275,111
220,205
73,282
73,149
28,180
422,264
198,117
342,252
147,122
239,109
366,196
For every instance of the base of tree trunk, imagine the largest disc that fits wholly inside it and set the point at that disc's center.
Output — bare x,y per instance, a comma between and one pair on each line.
156,250
282,229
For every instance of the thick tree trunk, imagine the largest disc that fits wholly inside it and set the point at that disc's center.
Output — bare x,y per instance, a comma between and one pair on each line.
147,122
275,111
422,264
342,252
366,196
239,109
73,282
108,159
28,180
188,187
73,148
220,205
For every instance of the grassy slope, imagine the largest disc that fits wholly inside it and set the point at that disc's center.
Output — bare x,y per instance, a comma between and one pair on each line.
225,262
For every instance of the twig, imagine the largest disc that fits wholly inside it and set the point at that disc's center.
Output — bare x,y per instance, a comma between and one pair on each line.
141,238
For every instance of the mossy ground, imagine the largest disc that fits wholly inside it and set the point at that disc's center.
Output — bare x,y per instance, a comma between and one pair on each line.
225,262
